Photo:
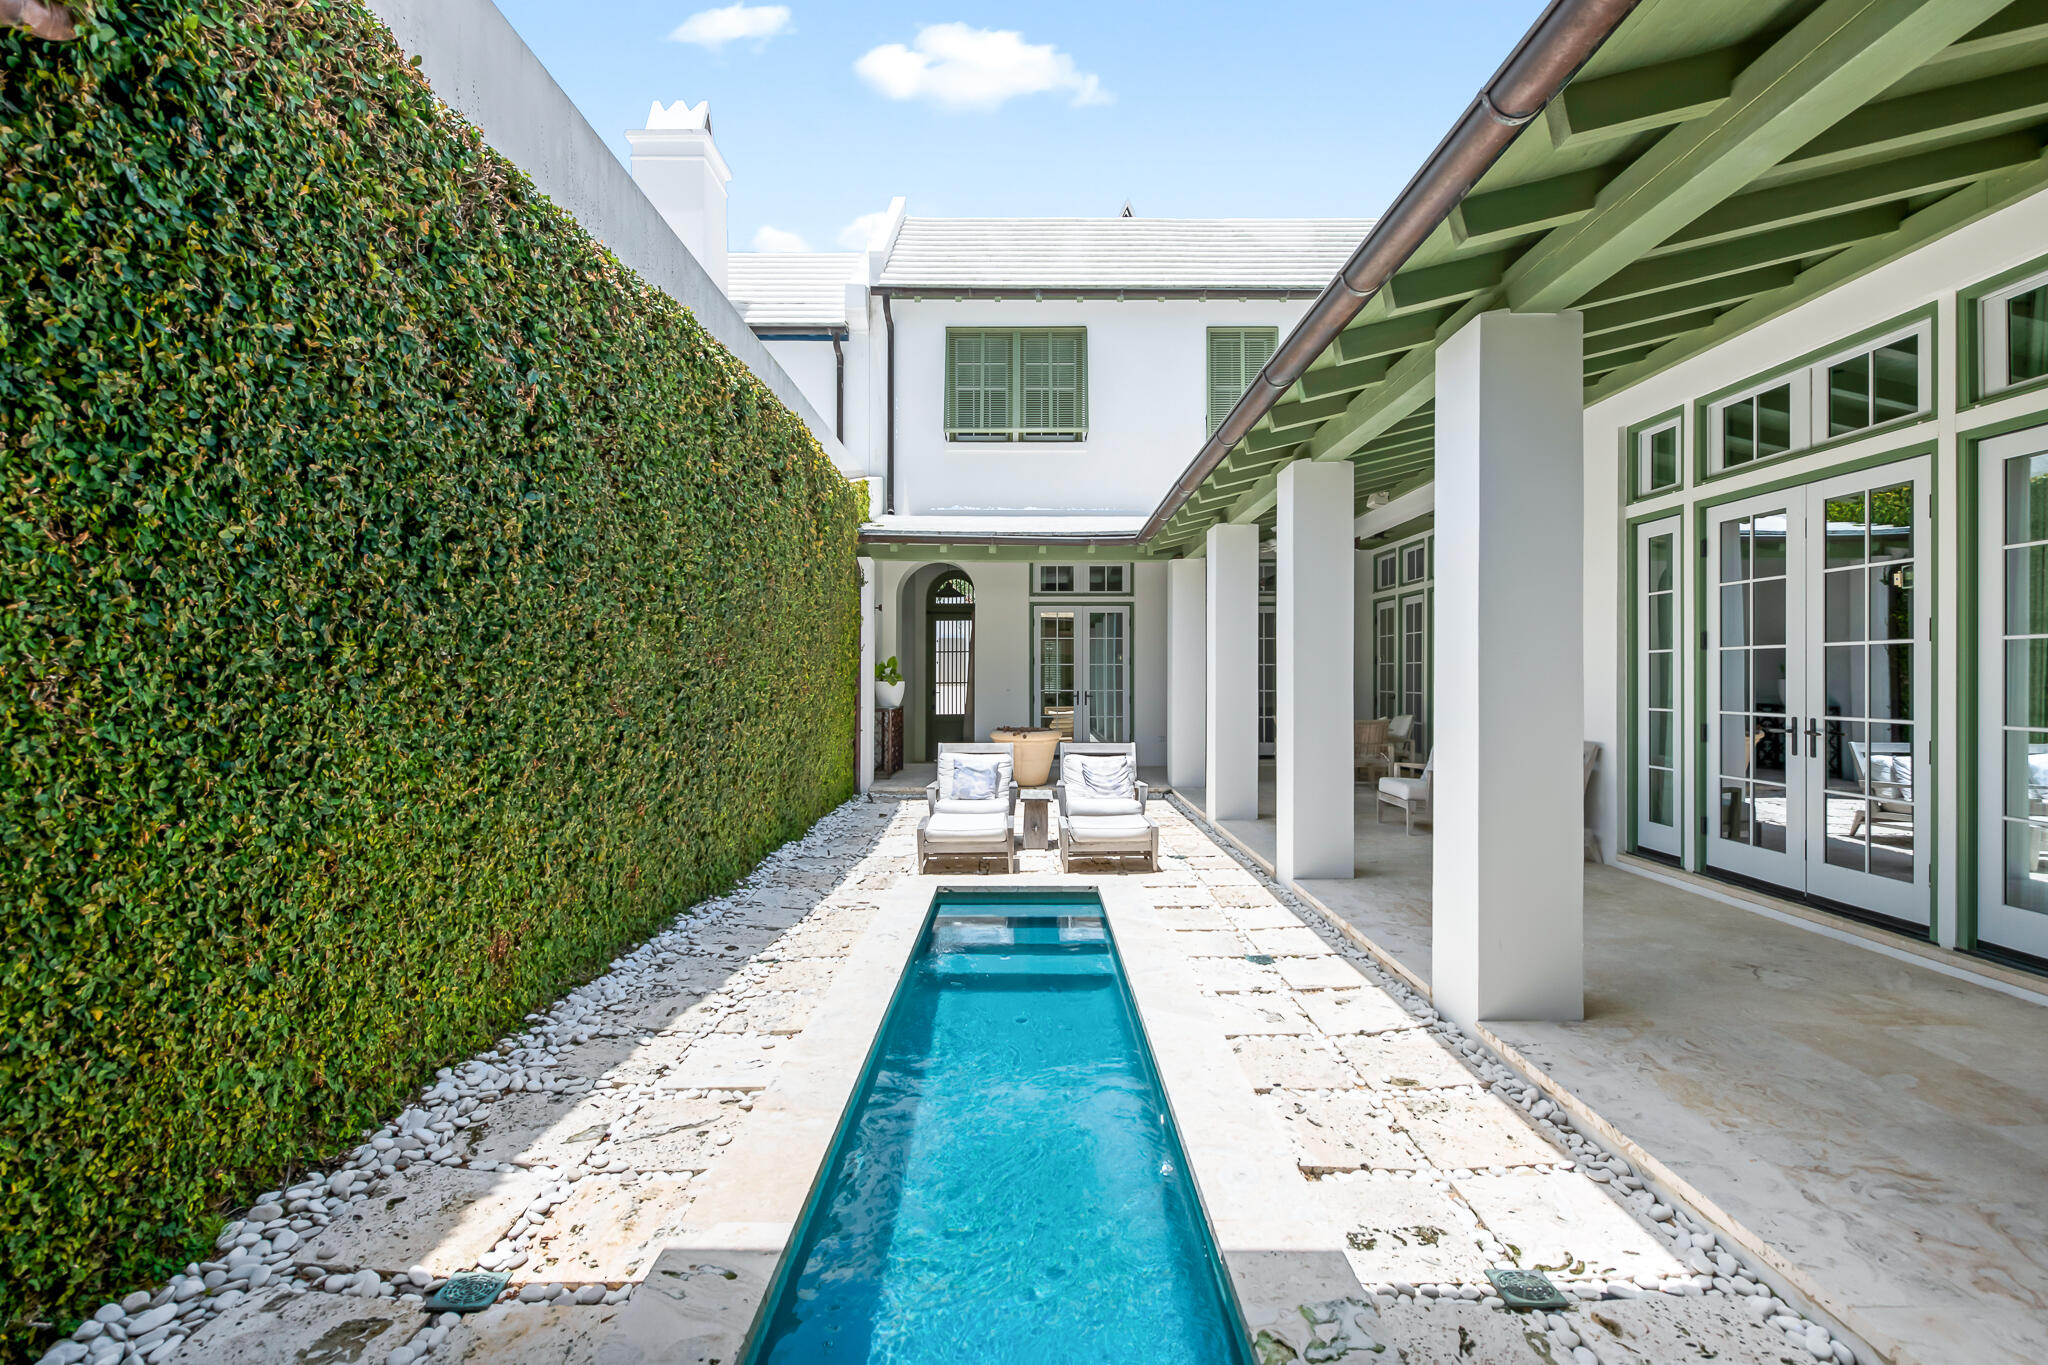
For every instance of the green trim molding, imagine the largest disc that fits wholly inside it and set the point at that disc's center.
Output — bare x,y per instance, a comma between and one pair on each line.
1926,312
1632,489
1969,337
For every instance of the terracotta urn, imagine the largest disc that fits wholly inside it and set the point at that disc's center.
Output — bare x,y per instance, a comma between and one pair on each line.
1031,752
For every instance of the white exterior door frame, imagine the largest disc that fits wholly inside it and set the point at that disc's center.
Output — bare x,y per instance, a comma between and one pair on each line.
2012,761
1081,670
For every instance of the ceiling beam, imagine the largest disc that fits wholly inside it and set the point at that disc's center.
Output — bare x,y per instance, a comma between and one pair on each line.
1885,182
1646,98
1718,293
1523,210
2020,23
1841,56
1663,329
1451,282
1967,205
1349,378
1986,105
1387,337
1801,240
1306,411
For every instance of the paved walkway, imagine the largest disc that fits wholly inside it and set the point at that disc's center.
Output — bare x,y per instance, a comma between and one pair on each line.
1883,1125
569,1157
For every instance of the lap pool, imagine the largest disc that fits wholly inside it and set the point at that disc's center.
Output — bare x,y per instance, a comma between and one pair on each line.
1007,1185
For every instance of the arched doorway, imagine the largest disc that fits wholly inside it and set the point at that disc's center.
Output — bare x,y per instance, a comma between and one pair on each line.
949,659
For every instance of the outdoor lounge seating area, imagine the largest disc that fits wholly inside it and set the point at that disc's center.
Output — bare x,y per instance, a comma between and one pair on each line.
972,807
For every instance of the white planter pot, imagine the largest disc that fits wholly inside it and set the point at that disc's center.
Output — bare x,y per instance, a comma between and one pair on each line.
888,696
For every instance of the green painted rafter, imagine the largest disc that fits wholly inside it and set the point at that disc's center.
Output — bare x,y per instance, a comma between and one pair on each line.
1647,98
1842,55
1733,257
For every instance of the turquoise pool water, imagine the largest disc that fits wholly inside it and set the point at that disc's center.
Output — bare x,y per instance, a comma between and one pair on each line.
1008,1186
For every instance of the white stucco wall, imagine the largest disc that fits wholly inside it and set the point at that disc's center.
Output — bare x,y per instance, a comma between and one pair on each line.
1147,413
1932,274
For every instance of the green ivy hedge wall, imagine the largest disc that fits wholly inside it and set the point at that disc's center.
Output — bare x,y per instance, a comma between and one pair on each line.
403,608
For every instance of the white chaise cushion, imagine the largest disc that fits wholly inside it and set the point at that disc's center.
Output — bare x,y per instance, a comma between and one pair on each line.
995,805
1133,830
973,777
1080,804
966,831
1108,777
1407,788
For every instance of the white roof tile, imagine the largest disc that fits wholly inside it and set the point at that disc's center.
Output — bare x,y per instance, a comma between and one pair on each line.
1122,253
793,288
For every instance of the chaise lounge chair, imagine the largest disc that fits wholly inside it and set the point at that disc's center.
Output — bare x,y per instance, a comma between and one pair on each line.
971,807
1102,805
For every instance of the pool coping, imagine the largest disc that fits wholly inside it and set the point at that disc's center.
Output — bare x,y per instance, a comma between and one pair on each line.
708,1289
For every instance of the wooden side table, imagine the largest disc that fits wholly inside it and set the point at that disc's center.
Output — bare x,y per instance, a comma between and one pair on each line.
888,740
1037,803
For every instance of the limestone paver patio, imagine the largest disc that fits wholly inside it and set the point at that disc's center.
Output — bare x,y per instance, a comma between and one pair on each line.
570,1156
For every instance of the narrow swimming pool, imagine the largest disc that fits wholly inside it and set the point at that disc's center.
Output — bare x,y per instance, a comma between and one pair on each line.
1007,1185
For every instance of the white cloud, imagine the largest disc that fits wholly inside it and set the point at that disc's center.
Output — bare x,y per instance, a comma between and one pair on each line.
865,231
958,67
714,28
775,239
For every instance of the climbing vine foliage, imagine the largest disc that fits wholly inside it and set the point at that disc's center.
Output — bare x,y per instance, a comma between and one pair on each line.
403,608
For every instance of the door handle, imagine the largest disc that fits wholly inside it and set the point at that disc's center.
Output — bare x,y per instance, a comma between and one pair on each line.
1812,737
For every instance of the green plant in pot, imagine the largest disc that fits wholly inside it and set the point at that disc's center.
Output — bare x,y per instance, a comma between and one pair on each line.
888,684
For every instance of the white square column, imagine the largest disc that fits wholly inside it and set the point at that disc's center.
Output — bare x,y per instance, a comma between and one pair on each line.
1233,672
1312,645
864,690
1187,672
1508,809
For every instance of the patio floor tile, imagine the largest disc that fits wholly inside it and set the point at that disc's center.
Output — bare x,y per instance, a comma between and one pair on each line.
1560,1221
1343,1130
441,1217
1302,1062
1470,1130
1400,1228
1365,1010
1404,1059
609,1229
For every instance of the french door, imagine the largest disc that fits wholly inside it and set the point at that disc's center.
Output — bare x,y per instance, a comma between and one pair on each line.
1657,734
1817,670
1269,679
2012,703
1084,672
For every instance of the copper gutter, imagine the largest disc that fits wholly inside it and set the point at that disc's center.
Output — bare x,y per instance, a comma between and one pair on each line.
1542,63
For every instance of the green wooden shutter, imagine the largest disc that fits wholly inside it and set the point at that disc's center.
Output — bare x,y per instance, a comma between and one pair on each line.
978,383
1236,355
1053,366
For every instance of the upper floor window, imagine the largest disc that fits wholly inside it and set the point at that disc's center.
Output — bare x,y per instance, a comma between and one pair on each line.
1079,578
2015,334
1016,384
1385,568
1236,354
1657,457
1854,391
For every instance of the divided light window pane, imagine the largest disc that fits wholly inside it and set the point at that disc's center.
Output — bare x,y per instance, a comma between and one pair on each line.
2026,336
1658,459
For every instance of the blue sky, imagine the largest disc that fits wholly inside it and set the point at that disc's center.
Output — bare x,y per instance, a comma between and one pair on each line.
826,110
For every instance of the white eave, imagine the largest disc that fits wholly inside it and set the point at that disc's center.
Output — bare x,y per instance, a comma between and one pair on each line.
1129,254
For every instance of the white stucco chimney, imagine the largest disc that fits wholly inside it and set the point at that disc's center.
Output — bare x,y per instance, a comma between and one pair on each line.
679,169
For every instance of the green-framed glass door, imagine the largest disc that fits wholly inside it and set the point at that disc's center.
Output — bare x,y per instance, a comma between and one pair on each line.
1083,665
1817,613
2012,704
1657,728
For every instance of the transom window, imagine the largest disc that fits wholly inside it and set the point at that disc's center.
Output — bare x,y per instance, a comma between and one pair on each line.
1858,390
1068,579
1384,570
2014,334
1236,354
1016,384
1656,457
